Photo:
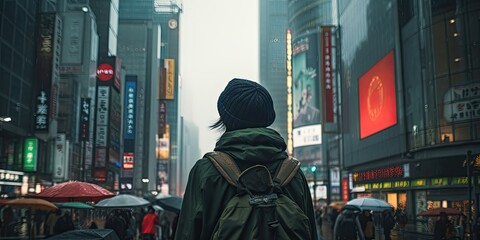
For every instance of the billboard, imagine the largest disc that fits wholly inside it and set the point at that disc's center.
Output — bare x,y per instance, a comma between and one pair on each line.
306,107
377,97
306,101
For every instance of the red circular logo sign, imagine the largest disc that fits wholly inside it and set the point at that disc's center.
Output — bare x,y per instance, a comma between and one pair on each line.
105,72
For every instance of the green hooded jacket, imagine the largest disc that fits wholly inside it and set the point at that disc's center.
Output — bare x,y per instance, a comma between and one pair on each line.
207,192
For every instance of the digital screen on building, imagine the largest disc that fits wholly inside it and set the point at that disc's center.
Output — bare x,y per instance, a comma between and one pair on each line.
377,97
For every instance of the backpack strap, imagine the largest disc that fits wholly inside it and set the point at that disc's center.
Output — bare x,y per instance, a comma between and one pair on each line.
226,166
230,171
287,171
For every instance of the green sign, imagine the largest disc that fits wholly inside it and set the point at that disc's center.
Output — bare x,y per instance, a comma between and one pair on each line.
459,181
419,183
439,181
30,155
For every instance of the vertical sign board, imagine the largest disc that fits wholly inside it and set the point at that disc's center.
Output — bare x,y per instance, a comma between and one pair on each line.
129,105
73,38
345,189
45,51
162,118
101,126
30,155
46,72
167,80
59,157
84,119
327,72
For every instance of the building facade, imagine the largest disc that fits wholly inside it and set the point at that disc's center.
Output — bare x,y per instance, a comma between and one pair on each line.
17,77
410,93
312,132
273,63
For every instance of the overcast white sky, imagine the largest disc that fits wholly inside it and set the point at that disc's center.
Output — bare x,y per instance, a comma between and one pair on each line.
218,42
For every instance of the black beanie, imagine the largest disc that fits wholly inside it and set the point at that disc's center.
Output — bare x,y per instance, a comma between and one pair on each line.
245,104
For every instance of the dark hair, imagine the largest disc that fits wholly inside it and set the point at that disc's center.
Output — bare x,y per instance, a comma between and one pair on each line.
219,125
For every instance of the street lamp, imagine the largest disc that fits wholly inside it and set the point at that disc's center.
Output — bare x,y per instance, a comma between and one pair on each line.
5,119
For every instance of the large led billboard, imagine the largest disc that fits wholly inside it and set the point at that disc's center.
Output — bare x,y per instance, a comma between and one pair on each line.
377,97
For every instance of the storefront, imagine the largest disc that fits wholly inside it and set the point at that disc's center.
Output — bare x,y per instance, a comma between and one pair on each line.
415,188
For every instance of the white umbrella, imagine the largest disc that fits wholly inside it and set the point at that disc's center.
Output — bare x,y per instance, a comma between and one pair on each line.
372,204
122,201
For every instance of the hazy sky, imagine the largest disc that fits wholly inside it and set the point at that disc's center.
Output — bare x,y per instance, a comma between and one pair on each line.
218,42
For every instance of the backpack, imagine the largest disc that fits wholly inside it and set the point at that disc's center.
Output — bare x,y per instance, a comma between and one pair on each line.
259,210
348,228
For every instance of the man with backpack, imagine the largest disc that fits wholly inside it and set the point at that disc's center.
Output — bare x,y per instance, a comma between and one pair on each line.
248,188
347,225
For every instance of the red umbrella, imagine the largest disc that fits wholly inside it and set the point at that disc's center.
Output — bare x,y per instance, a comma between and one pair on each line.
434,212
75,191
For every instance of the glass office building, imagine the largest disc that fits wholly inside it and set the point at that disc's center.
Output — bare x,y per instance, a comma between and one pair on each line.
410,86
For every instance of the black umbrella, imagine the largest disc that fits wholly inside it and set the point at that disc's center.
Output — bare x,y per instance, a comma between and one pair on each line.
169,202
87,234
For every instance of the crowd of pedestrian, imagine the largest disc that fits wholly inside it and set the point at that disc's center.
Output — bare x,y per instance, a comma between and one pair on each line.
128,224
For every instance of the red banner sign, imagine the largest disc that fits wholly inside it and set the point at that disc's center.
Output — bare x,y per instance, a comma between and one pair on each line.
327,71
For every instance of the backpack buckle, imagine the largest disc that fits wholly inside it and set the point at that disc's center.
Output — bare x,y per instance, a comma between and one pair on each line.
263,199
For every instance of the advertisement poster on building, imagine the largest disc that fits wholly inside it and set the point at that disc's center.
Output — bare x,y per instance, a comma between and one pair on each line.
307,131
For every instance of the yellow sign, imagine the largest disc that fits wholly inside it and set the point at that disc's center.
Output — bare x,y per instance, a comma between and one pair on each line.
401,184
166,87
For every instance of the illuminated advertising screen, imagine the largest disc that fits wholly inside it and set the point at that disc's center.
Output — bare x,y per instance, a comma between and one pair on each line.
377,98
307,132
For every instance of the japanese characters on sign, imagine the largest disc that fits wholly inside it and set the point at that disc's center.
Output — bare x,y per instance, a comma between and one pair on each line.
462,103
127,160
129,113
41,112
327,70
382,173
102,116
84,119
162,117
59,156
30,155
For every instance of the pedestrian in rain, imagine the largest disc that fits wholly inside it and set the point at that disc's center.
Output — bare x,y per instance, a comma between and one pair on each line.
246,110
366,220
388,224
443,227
64,223
347,225
116,222
149,222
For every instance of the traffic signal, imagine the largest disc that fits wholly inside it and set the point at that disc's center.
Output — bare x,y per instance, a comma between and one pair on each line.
313,168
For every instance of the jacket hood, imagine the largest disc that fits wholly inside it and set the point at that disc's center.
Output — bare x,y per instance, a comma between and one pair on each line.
253,145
